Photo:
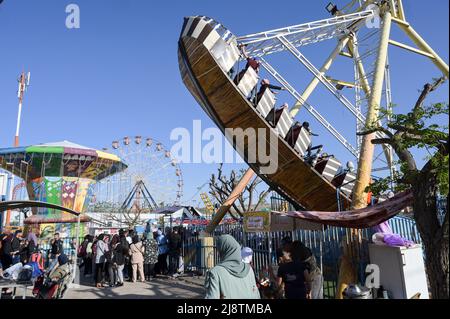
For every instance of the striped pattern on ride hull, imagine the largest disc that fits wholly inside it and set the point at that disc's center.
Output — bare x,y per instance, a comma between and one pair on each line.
204,30
266,103
347,180
248,82
328,168
303,142
284,123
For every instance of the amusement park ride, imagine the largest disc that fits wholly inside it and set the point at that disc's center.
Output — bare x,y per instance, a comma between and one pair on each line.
58,176
152,180
212,59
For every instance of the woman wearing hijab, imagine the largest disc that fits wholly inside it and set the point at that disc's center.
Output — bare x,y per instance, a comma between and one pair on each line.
150,256
231,278
137,259
32,244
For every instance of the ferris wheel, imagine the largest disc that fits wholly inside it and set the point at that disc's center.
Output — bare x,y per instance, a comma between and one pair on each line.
153,178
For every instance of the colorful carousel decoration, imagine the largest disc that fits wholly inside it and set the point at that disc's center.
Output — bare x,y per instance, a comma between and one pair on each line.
61,174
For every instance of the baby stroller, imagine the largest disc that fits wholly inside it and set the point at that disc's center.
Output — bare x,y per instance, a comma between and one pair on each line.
46,288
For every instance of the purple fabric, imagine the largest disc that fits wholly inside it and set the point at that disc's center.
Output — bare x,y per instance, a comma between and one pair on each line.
383,228
397,240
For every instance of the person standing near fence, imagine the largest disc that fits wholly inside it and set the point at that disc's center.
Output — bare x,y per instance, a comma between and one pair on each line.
16,246
56,250
314,272
85,252
293,273
231,278
137,259
150,255
123,233
100,250
121,250
128,266
163,249
174,251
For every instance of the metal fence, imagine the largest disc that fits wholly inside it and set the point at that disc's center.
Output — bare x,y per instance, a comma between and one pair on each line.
326,245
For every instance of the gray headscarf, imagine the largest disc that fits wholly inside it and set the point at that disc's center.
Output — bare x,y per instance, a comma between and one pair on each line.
230,256
32,237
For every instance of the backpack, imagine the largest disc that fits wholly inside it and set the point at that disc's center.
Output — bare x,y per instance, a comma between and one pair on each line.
25,275
35,268
37,258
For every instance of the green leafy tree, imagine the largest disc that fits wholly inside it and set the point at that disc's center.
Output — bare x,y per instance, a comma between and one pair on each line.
417,130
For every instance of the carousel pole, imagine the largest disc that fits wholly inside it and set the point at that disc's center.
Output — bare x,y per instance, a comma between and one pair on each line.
77,245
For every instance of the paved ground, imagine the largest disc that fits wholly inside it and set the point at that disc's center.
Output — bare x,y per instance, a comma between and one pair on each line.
184,287
160,288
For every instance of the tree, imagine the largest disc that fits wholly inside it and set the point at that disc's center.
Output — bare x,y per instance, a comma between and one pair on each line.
405,132
222,186
129,217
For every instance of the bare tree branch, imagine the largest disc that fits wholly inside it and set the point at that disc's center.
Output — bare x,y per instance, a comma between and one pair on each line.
374,130
221,187
427,89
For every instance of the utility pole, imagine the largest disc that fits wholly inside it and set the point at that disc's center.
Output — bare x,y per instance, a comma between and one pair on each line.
24,82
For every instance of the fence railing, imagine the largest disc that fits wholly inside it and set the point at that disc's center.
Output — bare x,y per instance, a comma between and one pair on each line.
326,246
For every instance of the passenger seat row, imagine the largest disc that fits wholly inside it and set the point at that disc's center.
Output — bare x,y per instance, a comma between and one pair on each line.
296,135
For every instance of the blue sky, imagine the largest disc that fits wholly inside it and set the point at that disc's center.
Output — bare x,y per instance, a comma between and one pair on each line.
118,74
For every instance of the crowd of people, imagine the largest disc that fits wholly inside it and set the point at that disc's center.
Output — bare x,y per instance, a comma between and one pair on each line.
113,259
14,248
110,260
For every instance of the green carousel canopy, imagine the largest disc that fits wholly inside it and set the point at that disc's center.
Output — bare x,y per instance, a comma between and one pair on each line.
60,174
59,159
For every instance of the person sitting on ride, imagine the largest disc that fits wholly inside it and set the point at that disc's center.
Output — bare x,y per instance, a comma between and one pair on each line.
265,84
312,157
251,63
61,270
306,126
